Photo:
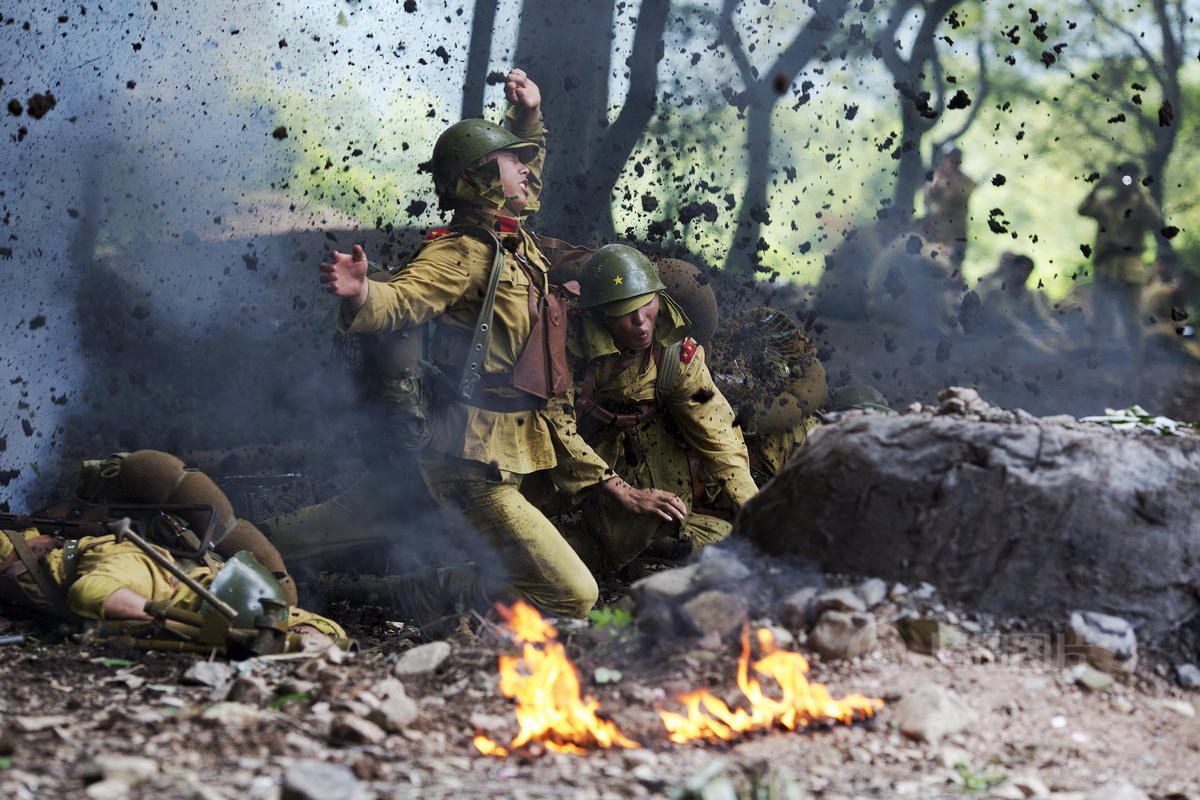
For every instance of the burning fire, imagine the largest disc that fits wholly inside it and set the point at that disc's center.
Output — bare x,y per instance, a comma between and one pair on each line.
802,702
546,687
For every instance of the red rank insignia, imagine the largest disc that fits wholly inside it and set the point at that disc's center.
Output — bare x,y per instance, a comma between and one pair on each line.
437,233
688,352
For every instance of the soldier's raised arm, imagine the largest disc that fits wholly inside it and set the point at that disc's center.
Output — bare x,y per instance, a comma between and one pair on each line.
524,95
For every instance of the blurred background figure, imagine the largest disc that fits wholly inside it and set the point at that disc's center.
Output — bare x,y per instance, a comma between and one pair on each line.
1124,214
947,196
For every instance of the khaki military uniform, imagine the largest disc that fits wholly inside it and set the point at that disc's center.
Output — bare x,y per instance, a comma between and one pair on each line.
947,197
1120,272
104,565
478,456
695,423
1124,220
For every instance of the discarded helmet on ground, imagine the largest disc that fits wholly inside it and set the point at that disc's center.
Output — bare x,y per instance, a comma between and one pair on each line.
250,589
467,143
857,395
616,273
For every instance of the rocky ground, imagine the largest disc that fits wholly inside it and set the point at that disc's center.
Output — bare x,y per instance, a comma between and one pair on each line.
991,708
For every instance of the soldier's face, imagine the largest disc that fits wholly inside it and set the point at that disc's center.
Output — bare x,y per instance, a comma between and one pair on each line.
635,330
514,179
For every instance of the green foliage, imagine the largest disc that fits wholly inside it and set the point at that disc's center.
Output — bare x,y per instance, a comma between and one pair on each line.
976,782
6,762
283,700
116,662
346,153
1136,418
610,616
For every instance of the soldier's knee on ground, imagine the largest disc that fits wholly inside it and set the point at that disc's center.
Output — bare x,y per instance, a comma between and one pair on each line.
574,600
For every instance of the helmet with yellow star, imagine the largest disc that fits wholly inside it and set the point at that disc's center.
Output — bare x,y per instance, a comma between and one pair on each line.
618,279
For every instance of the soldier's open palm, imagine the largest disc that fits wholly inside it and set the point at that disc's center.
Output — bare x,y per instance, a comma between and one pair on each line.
346,274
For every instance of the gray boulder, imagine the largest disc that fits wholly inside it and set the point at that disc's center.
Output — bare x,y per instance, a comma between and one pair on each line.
1001,511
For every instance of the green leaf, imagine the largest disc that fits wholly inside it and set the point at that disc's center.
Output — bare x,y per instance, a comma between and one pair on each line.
117,662
280,702
609,615
5,762
606,675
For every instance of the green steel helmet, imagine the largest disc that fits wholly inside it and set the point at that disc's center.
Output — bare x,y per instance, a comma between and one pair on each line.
858,396
244,584
467,143
617,272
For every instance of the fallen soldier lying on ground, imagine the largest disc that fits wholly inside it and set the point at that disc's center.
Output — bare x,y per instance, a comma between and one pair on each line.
82,564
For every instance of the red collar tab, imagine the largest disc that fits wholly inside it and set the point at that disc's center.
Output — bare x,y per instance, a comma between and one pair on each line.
437,233
688,352
507,225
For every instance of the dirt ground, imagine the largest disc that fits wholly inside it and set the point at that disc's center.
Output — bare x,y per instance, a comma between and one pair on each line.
68,708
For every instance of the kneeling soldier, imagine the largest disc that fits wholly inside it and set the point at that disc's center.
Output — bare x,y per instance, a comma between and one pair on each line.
647,405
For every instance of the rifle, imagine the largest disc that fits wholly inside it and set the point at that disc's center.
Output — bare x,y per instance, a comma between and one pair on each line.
77,519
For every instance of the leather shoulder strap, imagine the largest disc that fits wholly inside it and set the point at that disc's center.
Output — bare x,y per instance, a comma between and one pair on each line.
38,571
476,352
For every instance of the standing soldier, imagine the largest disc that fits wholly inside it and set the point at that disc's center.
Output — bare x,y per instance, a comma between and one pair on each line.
1124,214
499,412
647,404
947,197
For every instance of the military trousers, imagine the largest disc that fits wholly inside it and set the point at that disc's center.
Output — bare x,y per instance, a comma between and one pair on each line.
515,541
623,536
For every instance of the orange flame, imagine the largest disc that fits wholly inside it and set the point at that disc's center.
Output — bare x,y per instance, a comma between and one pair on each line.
546,687
802,702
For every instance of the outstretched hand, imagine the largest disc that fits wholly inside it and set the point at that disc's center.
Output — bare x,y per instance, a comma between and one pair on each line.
654,502
524,94
346,276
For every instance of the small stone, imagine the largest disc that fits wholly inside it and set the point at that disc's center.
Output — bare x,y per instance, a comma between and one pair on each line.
837,600
35,724
207,673
1188,676
395,709
233,714
899,594
1109,643
1030,785
250,690
1117,790
129,770
872,591
928,635
951,757
422,659
793,611
665,586
931,713
1091,678
347,727
1007,791
109,789
715,612
315,780
838,635
924,591
1181,707
782,636
1121,705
